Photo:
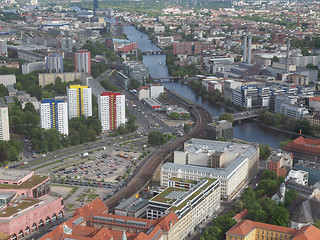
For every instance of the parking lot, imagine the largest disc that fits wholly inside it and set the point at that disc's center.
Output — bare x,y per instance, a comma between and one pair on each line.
98,169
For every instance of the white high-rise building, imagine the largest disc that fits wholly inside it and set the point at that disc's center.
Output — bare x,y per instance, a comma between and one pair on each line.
111,107
54,114
83,61
79,101
54,63
3,48
4,122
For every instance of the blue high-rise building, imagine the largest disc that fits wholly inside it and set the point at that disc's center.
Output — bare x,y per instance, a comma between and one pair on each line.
54,114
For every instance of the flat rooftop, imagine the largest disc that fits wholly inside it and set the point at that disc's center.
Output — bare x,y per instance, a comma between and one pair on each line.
234,153
183,180
20,203
13,174
182,196
31,182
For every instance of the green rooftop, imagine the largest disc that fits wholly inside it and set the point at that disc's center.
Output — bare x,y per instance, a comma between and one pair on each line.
162,197
18,205
196,193
183,180
31,182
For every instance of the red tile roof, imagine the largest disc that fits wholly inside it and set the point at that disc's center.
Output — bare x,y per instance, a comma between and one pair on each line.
304,145
307,233
241,215
316,99
244,227
96,205
97,208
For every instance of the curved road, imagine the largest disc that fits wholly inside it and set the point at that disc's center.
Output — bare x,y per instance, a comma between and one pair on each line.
146,171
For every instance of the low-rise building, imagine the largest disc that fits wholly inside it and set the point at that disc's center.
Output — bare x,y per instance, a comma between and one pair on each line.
299,176
304,211
280,163
305,149
132,207
29,205
250,230
219,130
312,168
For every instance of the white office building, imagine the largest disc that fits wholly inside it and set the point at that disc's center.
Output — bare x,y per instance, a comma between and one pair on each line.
233,164
79,101
54,114
111,108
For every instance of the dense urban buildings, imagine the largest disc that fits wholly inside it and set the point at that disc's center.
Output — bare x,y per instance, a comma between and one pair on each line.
54,114
94,221
83,61
79,101
26,203
111,110
233,164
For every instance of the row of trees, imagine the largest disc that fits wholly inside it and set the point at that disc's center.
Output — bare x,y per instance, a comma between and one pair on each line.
9,150
290,124
157,138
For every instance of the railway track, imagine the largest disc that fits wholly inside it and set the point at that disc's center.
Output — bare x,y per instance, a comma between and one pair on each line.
146,171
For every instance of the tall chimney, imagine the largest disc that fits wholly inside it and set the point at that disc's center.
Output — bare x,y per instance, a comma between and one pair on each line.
249,48
244,57
287,55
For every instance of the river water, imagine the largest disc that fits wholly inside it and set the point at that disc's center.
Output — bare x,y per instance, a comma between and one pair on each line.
248,130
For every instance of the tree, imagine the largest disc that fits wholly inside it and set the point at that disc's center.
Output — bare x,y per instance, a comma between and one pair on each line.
174,116
156,138
280,216
186,128
265,151
290,196
275,59
3,91
283,144
238,206
226,116
316,223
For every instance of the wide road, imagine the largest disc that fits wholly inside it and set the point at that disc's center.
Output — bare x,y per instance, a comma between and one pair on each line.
146,170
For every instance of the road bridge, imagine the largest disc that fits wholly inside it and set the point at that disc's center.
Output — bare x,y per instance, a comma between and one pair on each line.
153,52
240,116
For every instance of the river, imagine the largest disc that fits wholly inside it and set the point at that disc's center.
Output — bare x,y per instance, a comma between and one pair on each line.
248,130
